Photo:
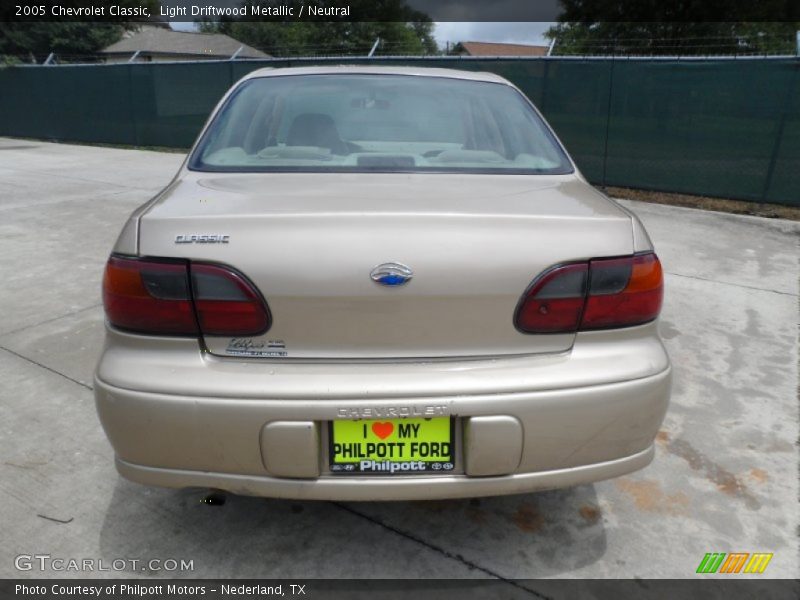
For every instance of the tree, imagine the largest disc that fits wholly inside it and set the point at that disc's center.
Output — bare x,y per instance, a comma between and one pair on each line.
400,29
655,27
66,37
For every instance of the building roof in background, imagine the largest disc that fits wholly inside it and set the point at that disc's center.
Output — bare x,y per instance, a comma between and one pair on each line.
149,39
496,49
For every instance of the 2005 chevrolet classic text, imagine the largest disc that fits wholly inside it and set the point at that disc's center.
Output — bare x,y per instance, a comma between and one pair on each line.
380,284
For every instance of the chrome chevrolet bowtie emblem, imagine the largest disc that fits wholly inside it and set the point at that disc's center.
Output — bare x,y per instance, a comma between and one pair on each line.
393,274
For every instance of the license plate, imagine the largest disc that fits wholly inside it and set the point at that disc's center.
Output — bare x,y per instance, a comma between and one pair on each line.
392,446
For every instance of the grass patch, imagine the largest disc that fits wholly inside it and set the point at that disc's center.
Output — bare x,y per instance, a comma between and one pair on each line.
737,207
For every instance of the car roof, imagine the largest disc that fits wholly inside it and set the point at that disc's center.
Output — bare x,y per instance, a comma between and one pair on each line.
371,70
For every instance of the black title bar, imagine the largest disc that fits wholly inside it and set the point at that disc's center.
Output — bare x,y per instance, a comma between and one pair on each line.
402,10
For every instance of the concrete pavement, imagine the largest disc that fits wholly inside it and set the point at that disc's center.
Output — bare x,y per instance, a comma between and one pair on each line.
724,478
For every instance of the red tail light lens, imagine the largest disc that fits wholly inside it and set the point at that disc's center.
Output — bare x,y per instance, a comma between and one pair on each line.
554,303
599,294
629,291
153,297
227,304
148,297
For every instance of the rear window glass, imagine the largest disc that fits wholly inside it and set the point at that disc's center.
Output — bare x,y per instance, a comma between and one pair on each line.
378,123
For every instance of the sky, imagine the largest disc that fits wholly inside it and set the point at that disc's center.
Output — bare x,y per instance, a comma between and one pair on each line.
453,32
512,33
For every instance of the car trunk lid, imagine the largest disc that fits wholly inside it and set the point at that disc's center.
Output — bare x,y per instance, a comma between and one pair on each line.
309,242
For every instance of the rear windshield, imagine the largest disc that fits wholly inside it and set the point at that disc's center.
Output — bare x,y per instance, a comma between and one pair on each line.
386,123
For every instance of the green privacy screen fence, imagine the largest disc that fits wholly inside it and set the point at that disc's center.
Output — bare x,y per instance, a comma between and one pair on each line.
716,127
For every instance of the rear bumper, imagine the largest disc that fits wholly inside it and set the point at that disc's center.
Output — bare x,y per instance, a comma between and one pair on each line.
177,418
396,488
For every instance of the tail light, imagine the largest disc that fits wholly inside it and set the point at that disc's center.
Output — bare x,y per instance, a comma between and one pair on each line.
148,297
598,294
554,304
226,303
623,292
180,298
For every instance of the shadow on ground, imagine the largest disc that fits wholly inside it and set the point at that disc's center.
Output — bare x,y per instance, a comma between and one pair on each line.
525,536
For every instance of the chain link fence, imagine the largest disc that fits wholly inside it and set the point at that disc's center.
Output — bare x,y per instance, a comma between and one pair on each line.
718,127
